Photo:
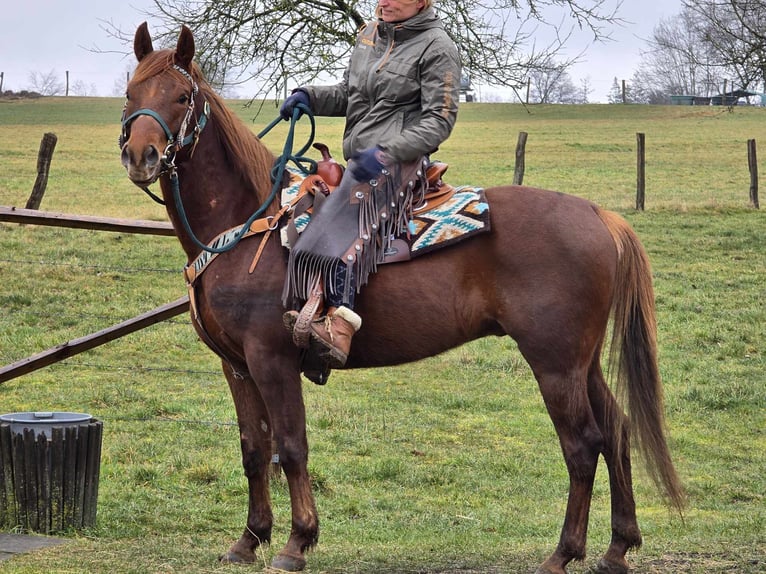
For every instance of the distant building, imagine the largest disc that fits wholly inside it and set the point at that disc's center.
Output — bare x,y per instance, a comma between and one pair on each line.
732,98
689,101
726,99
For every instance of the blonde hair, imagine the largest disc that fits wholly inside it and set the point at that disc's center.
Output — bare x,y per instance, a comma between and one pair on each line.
426,5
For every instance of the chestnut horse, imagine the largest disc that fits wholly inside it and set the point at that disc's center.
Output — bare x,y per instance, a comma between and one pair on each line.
550,274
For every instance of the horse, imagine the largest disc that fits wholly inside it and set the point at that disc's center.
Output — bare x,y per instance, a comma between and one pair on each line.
552,273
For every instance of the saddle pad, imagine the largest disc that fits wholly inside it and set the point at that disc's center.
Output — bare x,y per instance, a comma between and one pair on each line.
465,214
290,195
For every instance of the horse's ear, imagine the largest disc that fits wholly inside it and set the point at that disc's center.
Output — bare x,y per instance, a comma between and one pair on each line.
142,43
185,49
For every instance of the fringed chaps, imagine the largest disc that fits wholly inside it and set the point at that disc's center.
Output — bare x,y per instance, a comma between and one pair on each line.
354,228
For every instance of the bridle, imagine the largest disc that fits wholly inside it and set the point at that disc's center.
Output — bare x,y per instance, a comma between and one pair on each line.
177,142
182,139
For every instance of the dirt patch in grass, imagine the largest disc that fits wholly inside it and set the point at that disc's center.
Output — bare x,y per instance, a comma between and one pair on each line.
746,562
694,562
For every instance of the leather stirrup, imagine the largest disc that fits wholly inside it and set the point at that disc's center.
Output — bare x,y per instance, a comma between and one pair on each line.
302,330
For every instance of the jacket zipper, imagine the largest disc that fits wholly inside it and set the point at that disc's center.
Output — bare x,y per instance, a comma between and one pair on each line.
385,57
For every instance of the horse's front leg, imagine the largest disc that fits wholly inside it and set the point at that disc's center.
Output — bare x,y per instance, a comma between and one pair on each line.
255,440
280,385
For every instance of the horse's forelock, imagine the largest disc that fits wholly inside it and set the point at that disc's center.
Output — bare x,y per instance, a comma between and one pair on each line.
154,64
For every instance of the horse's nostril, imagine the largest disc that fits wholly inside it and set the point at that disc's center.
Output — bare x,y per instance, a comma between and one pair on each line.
151,156
125,156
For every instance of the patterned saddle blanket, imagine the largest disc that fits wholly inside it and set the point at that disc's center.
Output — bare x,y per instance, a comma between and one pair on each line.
463,214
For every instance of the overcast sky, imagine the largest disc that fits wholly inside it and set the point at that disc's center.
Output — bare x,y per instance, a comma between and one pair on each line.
44,35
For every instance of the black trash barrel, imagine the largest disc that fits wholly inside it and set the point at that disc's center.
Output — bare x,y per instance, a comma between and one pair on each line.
49,470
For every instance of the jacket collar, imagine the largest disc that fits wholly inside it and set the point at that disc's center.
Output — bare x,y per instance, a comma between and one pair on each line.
423,20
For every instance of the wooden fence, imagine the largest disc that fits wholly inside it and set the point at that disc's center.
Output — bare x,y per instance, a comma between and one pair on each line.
76,346
518,173
30,215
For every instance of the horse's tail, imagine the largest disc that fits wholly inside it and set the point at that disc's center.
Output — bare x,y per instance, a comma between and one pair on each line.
634,354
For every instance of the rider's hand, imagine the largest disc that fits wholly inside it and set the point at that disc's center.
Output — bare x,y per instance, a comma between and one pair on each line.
368,164
297,97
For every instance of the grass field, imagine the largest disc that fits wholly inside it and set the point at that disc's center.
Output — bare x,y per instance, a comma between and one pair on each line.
449,465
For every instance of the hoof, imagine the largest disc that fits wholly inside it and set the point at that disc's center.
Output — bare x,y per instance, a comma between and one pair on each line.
609,567
234,558
288,563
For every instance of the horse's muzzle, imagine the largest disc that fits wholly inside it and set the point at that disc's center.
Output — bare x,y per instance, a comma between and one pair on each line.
143,165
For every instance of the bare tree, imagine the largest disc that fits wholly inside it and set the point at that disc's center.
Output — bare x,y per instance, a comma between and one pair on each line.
121,82
678,62
586,89
680,58
734,32
646,88
279,42
552,84
623,93
80,88
46,84
709,40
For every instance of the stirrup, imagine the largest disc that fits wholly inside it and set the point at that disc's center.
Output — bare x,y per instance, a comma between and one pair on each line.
313,367
302,328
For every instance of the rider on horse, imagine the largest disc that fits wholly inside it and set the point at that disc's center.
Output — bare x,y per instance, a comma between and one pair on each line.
399,95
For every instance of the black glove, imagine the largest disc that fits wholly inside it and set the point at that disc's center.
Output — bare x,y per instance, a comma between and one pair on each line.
367,164
297,97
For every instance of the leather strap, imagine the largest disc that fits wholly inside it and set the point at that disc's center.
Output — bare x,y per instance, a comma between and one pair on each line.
302,329
267,234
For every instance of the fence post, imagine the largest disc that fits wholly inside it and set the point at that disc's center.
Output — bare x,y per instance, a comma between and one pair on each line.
44,156
752,164
640,170
518,170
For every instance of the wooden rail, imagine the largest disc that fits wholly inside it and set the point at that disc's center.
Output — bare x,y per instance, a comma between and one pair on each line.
76,346
33,216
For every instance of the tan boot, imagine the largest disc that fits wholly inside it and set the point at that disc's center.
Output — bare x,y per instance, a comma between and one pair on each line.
333,333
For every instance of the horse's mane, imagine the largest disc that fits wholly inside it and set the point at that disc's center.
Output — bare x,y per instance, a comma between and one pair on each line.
248,156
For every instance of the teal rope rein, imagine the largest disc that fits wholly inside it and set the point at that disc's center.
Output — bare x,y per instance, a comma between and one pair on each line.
277,174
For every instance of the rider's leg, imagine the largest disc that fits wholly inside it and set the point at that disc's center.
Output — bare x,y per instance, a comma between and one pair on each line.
334,331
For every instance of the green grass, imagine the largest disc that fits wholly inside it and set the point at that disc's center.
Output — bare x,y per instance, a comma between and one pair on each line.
447,465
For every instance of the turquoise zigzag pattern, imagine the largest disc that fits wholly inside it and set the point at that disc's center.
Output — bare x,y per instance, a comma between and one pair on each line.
464,214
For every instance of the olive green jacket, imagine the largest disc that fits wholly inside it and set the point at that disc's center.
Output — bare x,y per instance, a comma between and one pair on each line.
400,90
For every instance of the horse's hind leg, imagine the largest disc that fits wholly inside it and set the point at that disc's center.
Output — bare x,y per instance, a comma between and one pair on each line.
255,440
616,432
565,396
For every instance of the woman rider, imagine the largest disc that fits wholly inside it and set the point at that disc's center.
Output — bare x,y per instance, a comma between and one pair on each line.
399,95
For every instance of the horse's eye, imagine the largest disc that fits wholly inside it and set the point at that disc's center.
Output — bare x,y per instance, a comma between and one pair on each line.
127,96
183,99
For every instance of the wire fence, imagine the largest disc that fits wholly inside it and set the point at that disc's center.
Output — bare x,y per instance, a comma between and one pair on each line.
127,373
76,319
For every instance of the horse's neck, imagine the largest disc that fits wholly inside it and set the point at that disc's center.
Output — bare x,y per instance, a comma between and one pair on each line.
213,197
